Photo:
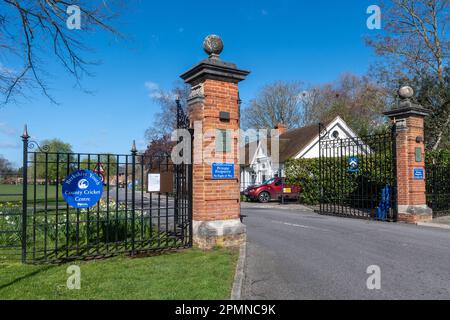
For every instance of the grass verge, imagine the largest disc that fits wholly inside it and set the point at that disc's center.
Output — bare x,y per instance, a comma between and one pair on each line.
12,193
189,274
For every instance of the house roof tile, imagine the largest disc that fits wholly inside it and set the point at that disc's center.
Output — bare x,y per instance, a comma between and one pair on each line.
290,143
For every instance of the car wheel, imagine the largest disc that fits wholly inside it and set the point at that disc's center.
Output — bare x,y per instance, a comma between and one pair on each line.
264,197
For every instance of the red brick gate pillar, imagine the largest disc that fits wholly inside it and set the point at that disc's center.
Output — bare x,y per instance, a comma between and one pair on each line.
214,115
411,192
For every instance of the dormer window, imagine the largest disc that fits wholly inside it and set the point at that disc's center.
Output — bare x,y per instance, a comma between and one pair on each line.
335,134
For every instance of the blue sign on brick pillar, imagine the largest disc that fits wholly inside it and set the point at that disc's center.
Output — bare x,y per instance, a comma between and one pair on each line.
419,174
223,171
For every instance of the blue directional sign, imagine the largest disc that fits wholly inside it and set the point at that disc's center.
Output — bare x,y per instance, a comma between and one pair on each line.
223,171
419,174
82,189
353,163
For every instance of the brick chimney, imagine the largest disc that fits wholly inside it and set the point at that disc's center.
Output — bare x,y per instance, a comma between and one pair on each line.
281,127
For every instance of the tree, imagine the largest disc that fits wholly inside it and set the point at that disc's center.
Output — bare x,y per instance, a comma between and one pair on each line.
279,102
90,163
356,99
165,121
34,32
160,148
56,163
415,49
5,166
431,95
6,169
158,152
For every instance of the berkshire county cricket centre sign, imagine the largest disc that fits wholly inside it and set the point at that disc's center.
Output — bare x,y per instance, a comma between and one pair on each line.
82,189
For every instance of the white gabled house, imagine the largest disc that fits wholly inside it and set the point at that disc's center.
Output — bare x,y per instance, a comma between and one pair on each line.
297,143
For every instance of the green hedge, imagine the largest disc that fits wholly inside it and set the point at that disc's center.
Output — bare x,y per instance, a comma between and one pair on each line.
439,157
338,182
306,172
373,174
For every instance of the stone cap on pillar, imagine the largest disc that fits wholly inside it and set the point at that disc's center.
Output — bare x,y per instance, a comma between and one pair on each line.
406,107
213,67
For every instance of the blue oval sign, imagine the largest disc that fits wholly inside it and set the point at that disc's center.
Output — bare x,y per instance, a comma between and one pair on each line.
82,189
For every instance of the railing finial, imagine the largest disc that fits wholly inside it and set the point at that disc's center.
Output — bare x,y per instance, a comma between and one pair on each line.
25,135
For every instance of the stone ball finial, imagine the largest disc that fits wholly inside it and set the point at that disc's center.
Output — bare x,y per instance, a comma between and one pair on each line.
213,45
406,92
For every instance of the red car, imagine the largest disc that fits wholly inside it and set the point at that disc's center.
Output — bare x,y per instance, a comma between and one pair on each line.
273,190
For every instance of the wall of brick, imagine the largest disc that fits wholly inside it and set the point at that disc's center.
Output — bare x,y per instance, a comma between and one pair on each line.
215,199
411,192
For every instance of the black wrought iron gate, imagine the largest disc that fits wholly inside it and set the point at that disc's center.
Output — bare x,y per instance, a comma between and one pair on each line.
438,188
37,225
357,176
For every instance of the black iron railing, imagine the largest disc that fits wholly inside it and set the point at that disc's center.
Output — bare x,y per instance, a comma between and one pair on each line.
357,176
37,225
10,216
438,189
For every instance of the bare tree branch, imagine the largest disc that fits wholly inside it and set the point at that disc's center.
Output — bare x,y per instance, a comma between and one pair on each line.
415,48
39,30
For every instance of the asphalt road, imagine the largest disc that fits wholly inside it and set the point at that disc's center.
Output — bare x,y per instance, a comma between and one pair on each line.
294,254
123,195
162,209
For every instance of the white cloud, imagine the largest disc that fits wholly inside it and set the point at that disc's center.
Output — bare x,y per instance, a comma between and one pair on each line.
154,90
7,130
5,69
9,145
151,85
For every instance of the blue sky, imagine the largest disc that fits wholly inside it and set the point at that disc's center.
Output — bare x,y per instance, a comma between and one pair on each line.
312,41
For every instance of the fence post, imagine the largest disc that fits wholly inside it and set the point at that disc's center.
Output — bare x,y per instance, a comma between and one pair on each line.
25,138
320,169
394,191
133,196
190,187
177,167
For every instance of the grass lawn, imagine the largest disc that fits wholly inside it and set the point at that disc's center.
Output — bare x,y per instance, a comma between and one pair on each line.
189,274
9,192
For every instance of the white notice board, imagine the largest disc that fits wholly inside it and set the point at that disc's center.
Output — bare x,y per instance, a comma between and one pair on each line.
154,182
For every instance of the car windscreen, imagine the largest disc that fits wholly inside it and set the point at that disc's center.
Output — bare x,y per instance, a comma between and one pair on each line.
269,181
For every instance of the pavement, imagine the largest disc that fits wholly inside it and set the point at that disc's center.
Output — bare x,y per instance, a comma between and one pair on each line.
440,222
298,254
236,291
276,205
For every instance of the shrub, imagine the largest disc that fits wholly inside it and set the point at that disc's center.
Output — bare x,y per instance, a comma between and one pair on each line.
306,173
94,225
10,223
338,183
438,157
